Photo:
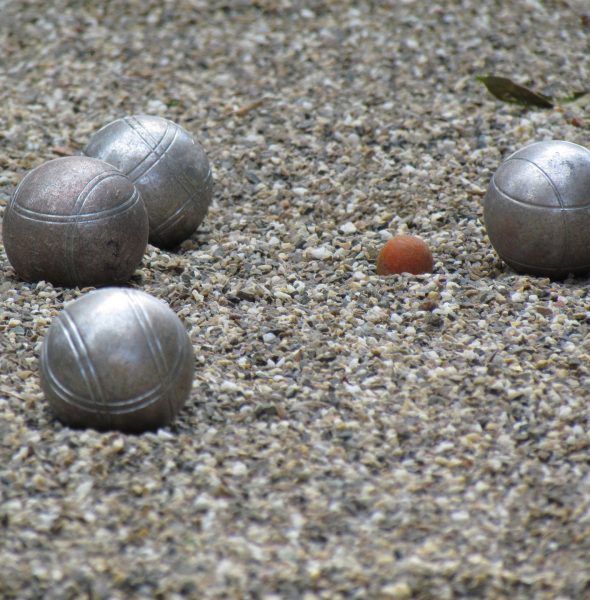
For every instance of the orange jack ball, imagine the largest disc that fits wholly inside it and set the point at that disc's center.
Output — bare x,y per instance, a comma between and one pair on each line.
405,254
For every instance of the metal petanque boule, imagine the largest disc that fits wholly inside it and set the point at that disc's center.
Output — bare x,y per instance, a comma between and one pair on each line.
75,221
537,209
169,167
117,359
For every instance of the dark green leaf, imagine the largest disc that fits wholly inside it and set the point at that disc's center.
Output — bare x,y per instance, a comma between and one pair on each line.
572,97
506,90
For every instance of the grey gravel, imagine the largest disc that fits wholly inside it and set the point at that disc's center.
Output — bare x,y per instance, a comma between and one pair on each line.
348,435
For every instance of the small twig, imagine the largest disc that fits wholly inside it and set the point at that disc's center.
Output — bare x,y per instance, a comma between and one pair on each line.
63,150
244,110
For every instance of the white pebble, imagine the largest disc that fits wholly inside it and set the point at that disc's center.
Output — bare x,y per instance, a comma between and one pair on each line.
239,469
348,227
320,253
228,386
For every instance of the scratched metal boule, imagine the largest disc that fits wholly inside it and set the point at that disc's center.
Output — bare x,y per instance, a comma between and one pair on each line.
75,221
169,167
537,209
117,359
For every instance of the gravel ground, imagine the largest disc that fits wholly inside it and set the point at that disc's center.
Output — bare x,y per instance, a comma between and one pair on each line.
347,435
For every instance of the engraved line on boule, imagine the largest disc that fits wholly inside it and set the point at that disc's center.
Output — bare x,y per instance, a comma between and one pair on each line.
149,397
154,153
546,175
147,137
114,408
564,248
12,205
163,154
186,184
139,402
19,187
142,131
177,215
121,407
72,229
135,403
180,177
153,343
169,222
67,396
538,206
144,134
88,373
41,217
109,125
87,370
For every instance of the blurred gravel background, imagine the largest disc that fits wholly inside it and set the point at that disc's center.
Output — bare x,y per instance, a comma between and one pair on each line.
348,436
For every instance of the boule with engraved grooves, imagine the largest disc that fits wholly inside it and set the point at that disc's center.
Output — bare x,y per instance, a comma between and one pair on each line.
75,221
169,167
537,209
117,359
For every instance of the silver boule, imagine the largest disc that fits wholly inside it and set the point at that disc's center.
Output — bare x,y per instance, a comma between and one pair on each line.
537,209
75,221
169,167
117,358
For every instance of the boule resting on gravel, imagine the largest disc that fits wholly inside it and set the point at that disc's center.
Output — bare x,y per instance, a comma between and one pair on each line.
347,435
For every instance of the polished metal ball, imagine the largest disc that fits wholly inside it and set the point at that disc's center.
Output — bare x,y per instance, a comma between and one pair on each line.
537,209
75,221
169,167
117,358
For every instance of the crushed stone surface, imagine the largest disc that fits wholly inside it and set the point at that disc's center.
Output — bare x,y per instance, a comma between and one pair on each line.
347,435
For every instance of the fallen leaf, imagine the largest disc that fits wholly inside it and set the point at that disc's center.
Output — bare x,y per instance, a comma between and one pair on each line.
572,98
506,90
